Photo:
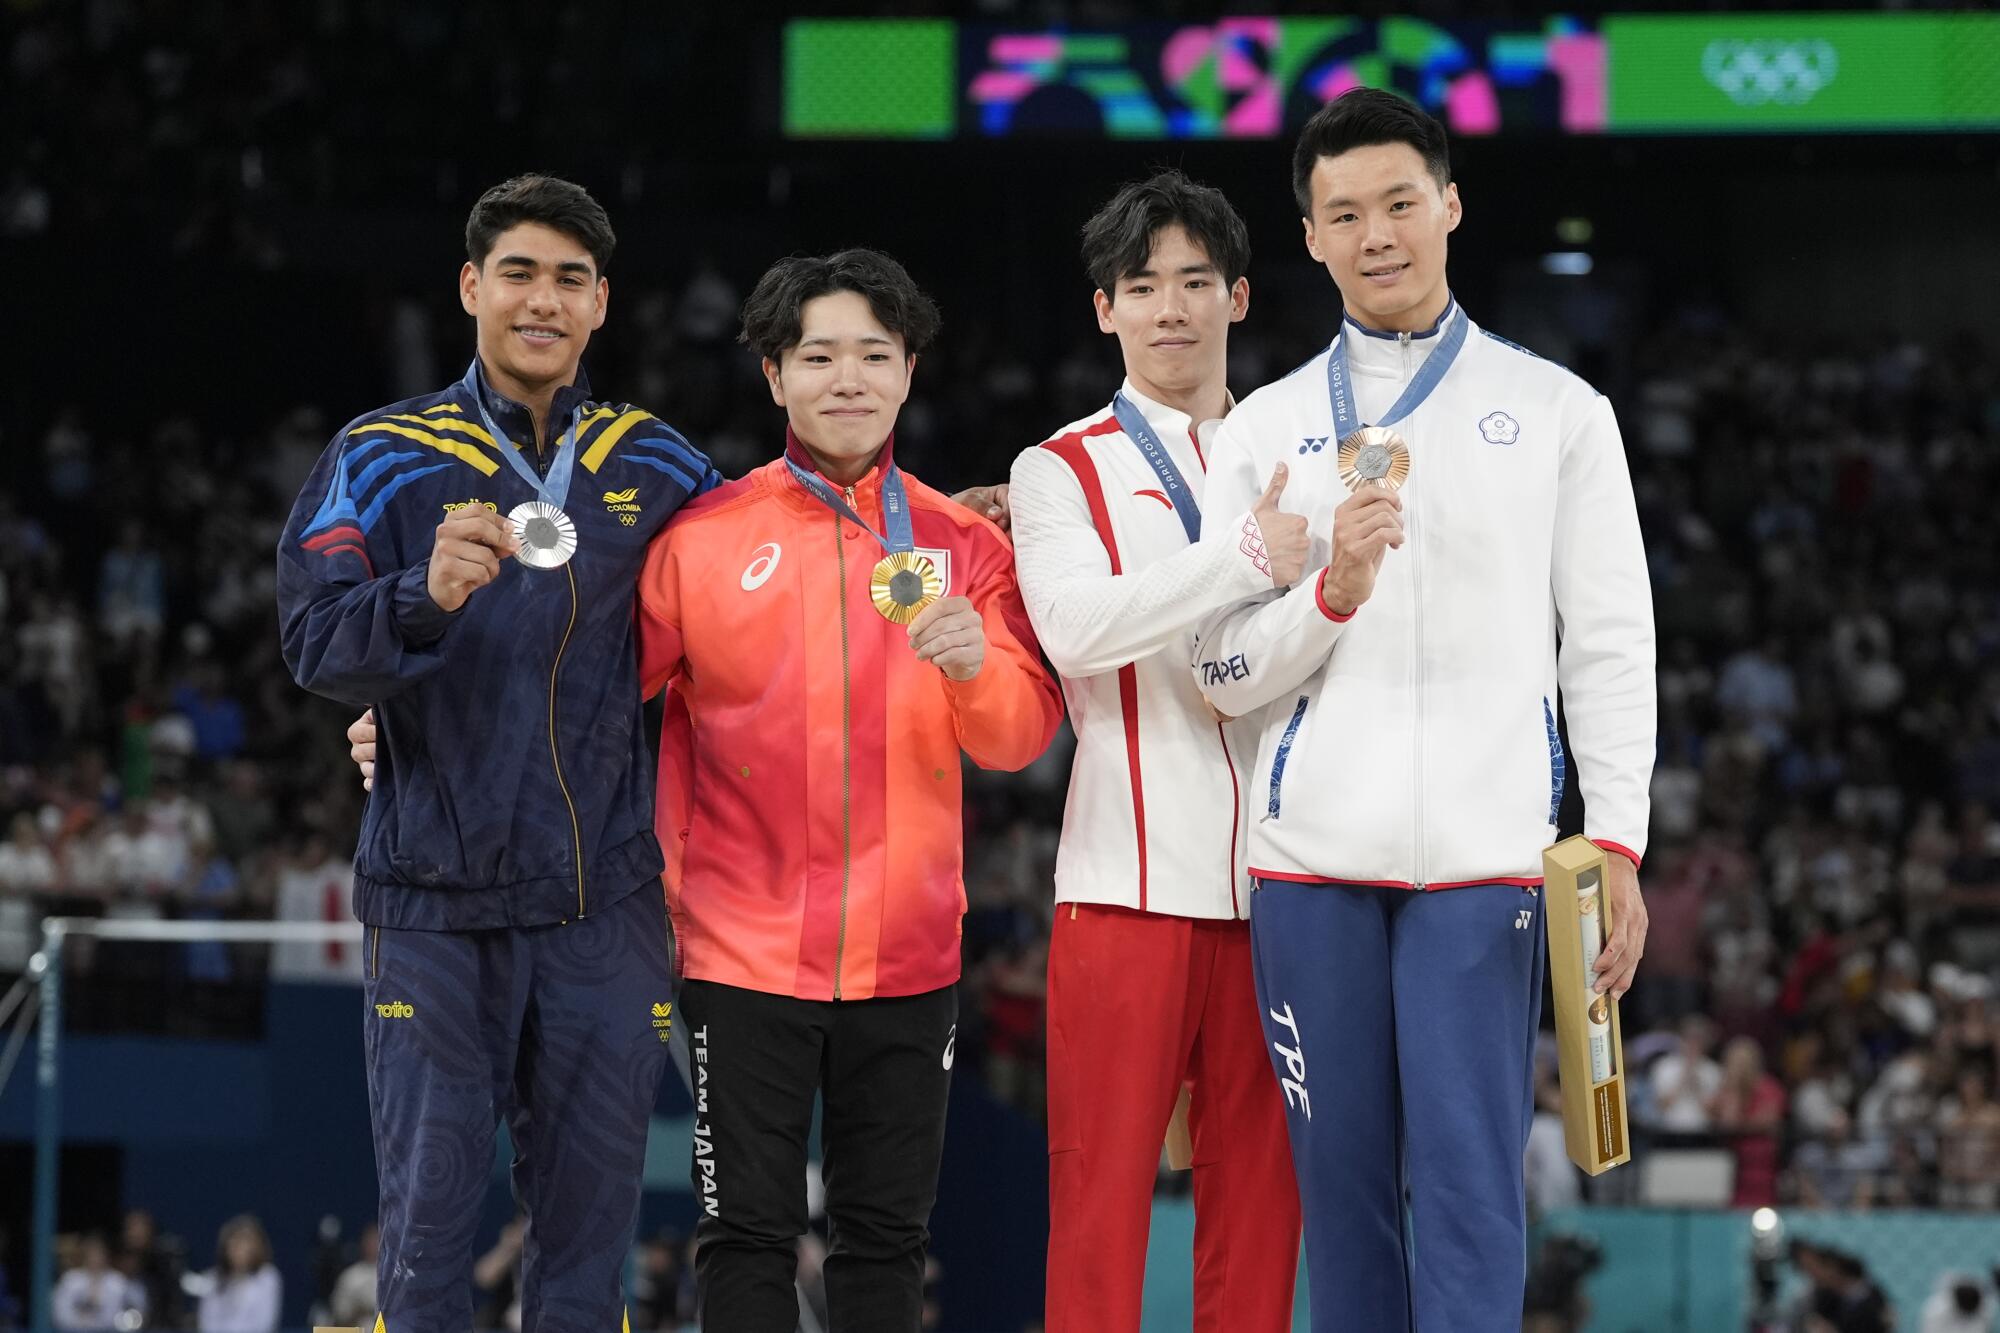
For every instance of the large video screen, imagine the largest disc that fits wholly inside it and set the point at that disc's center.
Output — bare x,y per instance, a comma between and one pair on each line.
1256,78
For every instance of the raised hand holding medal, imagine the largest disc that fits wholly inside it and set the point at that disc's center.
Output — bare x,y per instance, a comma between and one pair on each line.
905,586
545,536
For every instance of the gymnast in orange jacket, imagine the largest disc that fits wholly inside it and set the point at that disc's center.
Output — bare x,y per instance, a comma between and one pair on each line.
832,633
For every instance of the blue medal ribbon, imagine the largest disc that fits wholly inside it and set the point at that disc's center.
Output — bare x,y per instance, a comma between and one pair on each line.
554,488
895,506
1346,420
1133,422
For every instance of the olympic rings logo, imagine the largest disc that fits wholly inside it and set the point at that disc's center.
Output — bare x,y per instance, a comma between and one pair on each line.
1756,73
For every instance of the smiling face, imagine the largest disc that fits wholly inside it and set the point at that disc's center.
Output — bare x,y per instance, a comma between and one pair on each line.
1378,223
1172,318
842,383
537,298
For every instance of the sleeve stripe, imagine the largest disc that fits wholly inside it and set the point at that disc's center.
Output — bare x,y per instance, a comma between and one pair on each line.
600,447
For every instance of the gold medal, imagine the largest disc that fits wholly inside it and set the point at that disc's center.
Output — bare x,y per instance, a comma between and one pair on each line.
904,584
1374,455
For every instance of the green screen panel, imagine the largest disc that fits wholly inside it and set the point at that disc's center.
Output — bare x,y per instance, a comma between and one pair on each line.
1803,72
871,78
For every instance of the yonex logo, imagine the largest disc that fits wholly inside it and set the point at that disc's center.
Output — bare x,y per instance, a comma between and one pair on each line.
1313,443
759,570
1523,918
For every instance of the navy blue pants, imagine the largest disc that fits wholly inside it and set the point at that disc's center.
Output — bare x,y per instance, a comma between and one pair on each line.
562,1029
1402,1030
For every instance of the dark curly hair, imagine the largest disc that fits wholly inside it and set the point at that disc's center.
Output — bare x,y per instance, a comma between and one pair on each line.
1118,239
1362,118
771,317
557,204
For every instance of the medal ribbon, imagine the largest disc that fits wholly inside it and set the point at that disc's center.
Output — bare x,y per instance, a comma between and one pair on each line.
895,507
554,488
1133,422
1346,421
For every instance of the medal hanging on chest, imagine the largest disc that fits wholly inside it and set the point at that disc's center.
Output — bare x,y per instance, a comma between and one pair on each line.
903,582
1375,455
546,533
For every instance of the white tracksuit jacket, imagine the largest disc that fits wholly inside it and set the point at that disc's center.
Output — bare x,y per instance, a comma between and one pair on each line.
1414,743
1154,819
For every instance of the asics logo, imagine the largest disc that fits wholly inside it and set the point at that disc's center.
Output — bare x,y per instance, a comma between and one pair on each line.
758,572
950,1045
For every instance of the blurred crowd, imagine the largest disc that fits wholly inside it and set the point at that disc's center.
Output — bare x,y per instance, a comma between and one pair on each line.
1818,999
1824,880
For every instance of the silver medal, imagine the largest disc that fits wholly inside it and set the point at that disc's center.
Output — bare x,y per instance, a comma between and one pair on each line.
547,535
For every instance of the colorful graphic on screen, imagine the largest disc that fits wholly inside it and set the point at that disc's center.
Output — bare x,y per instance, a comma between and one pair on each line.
1260,78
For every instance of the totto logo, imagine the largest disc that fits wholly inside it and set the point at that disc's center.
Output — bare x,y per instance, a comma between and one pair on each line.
759,570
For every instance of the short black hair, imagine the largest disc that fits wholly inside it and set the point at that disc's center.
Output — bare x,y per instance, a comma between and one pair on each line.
557,204
1119,238
1361,118
771,317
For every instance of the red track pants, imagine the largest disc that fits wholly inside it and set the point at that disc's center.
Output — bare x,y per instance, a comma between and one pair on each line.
1138,1004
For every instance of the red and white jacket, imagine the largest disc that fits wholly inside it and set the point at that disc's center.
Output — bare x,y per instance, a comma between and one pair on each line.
1115,592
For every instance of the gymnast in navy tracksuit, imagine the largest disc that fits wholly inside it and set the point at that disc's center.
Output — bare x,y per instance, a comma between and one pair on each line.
517,954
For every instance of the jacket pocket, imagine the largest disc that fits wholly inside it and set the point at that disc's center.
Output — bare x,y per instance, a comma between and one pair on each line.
1278,760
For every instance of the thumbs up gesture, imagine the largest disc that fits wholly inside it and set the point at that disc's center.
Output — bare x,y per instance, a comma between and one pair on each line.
1286,541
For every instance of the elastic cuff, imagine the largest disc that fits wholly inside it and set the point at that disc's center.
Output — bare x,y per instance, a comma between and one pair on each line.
422,621
1619,848
1319,595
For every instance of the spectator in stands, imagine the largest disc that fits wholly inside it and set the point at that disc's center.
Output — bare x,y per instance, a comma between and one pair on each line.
26,865
1749,1108
656,1284
1969,1141
353,1302
1960,1303
94,1297
154,1262
131,596
1686,1080
244,1289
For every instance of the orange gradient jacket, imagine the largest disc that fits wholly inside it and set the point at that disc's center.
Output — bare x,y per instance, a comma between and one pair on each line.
808,799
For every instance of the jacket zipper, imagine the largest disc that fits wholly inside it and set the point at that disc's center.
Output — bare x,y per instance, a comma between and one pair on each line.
846,747
576,836
1417,661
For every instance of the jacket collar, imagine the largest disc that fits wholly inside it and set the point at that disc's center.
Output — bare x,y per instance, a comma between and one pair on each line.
514,419
1173,425
867,491
1374,351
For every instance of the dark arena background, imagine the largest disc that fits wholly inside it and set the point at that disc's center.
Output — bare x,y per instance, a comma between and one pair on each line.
1771,236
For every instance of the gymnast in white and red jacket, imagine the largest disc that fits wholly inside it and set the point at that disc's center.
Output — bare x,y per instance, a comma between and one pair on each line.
1150,985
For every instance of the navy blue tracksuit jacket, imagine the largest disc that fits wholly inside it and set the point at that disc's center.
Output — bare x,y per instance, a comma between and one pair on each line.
513,781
